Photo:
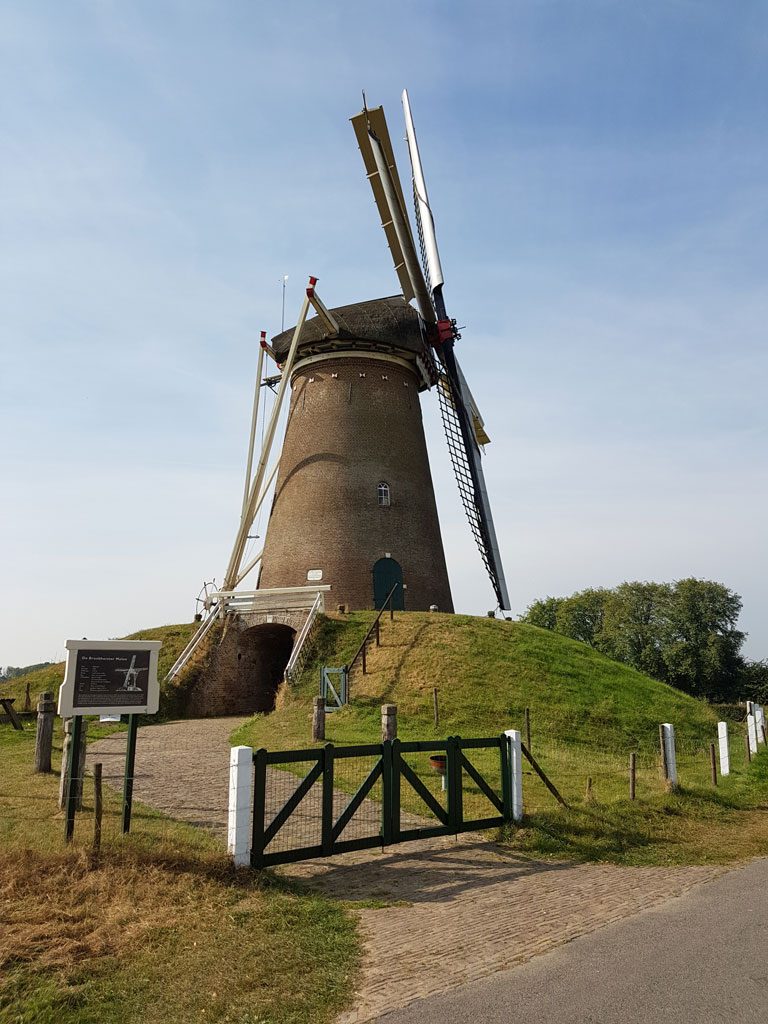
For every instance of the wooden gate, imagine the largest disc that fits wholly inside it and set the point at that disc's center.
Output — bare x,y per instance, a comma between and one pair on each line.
316,803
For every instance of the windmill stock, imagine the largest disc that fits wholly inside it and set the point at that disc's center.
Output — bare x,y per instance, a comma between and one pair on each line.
462,421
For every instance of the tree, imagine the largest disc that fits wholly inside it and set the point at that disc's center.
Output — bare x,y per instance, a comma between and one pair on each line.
684,633
543,613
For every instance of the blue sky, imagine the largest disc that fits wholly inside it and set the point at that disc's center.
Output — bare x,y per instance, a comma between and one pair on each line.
598,172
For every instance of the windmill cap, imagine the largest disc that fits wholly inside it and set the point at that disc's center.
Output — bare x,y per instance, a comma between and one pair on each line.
378,324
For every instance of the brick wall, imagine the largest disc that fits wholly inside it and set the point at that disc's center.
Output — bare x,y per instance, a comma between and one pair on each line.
354,422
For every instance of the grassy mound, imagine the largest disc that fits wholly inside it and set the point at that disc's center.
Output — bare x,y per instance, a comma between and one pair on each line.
487,672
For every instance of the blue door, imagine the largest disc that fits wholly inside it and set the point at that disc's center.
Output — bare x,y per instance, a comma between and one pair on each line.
387,573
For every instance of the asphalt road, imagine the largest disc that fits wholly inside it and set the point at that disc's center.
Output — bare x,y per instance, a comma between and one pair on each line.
700,959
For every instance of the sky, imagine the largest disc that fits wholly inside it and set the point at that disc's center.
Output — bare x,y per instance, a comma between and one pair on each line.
598,176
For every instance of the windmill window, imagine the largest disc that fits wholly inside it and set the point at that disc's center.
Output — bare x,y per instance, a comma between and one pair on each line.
383,494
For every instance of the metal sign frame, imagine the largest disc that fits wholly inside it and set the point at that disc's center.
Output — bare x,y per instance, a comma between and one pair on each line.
110,652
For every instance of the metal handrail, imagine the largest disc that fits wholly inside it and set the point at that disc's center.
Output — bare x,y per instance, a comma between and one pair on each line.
374,629
302,637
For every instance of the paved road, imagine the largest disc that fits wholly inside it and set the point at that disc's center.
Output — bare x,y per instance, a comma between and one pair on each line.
700,959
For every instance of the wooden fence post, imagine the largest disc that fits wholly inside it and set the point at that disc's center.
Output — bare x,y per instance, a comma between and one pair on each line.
713,763
749,748
78,762
318,719
632,774
27,699
46,709
434,702
388,722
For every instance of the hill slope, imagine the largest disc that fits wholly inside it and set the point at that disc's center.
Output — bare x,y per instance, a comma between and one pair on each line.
487,672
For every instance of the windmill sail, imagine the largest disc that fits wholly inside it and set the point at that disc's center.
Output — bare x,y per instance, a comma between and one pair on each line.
376,148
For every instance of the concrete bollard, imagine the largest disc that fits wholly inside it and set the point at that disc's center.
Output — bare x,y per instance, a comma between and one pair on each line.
515,772
670,756
722,739
318,719
46,709
388,722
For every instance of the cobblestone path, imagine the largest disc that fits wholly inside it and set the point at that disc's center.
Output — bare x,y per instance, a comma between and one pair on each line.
456,909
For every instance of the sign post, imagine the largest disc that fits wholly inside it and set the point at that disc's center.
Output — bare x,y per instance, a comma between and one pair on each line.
107,677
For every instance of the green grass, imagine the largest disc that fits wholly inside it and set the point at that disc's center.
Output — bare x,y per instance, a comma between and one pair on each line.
160,930
587,713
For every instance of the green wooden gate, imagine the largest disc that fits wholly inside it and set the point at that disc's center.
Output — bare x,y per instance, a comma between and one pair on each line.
316,803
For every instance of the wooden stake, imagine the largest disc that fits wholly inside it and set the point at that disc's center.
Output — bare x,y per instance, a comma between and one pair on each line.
97,807
749,751
713,763
27,699
318,719
589,796
528,728
632,774
434,701
533,763
46,709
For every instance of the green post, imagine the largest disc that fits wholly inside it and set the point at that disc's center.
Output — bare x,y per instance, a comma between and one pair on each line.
506,788
259,805
395,819
387,805
327,809
453,778
130,763
73,768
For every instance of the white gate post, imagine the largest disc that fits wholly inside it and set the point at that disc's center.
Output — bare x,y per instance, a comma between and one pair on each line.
669,753
515,772
752,733
725,759
240,805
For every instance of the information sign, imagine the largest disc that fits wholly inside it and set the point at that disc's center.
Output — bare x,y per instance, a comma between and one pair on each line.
110,677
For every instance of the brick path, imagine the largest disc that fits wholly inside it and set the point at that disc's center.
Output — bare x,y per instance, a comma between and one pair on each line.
464,908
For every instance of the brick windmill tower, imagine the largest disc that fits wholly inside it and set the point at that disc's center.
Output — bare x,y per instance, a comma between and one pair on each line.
353,519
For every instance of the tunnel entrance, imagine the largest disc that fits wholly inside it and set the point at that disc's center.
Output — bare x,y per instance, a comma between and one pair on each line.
262,654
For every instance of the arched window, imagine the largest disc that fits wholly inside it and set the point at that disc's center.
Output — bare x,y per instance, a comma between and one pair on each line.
383,493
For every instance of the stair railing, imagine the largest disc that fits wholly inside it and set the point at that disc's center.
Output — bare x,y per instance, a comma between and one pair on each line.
374,630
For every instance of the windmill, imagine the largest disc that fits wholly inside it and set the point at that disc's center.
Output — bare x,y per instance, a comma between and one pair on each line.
462,422
353,517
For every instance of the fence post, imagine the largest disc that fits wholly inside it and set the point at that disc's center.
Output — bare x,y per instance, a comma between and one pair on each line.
318,719
98,808
67,763
670,757
388,722
713,763
259,806
326,839
752,734
130,771
632,775
514,739
436,708
722,739
240,802
528,729
394,822
749,749
46,709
